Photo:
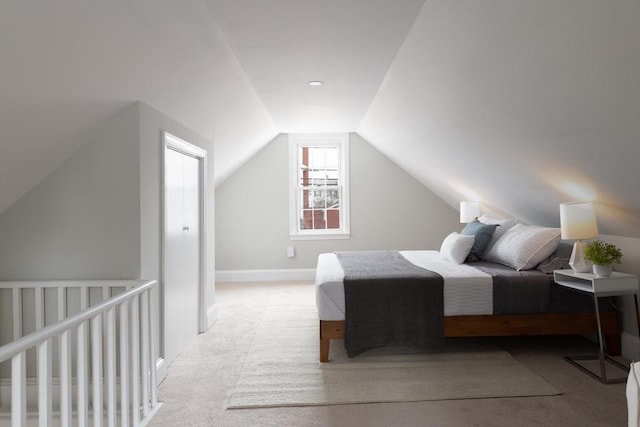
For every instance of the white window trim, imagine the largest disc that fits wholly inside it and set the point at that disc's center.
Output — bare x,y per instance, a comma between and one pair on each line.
318,139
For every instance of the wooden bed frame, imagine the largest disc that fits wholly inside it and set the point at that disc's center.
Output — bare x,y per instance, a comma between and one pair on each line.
506,325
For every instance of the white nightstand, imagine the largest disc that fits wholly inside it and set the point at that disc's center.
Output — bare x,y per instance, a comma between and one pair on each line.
617,284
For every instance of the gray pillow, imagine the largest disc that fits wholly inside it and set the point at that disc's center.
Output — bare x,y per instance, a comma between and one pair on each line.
483,234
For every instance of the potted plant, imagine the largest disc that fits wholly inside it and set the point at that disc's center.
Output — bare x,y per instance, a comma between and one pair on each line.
602,255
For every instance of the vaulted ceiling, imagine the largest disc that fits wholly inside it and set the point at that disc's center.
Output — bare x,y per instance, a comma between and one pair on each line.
521,105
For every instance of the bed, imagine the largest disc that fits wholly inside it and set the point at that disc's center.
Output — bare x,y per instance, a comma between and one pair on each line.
481,298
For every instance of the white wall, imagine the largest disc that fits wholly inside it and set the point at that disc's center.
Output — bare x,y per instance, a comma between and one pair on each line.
83,220
389,210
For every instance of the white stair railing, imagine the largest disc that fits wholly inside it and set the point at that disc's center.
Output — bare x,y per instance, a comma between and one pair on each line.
126,324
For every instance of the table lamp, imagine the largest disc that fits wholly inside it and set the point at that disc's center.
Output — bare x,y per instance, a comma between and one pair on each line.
578,222
469,211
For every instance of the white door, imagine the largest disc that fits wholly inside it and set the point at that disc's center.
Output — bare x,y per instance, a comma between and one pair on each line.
181,252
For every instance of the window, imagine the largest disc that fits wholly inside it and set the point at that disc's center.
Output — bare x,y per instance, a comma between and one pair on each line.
319,196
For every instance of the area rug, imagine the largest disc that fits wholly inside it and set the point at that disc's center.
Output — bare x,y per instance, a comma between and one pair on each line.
282,367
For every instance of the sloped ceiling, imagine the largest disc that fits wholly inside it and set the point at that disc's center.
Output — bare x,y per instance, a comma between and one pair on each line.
521,105
67,65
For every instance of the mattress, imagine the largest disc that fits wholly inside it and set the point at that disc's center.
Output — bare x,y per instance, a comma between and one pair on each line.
467,290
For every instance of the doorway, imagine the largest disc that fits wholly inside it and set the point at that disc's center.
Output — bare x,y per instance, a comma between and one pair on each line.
184,245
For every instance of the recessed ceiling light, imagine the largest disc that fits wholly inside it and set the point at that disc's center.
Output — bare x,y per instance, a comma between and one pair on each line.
316,83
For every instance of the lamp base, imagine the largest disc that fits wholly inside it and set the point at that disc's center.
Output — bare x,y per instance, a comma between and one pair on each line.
577,261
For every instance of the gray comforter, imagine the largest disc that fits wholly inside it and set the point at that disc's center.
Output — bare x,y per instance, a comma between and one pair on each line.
390,300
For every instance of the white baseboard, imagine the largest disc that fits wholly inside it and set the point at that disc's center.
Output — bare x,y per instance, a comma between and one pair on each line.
265,275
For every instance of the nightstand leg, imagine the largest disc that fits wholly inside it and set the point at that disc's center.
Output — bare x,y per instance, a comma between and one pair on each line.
602,356
635,300
603,370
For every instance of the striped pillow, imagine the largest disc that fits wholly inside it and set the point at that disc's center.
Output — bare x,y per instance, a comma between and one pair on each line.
522,247
502,226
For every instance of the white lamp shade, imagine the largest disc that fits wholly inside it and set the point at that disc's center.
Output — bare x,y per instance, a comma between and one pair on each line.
578,221
469,211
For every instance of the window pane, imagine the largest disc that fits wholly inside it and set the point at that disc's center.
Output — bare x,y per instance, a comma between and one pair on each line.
319,199
318,157
318,220
306,221
318,166
332,158
332,177
317,178
333,198
333,218
325,157
303,166
306,199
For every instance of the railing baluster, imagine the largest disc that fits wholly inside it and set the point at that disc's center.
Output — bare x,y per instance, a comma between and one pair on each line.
105,296
44,383
62,302
64,374
65,379
111,367
144,346
17,386
124,364
135,361
39,309
44,363
153,310
96,365
82,364
19,390
18,367
16,295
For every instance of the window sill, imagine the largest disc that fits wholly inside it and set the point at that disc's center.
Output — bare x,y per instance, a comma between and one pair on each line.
333,236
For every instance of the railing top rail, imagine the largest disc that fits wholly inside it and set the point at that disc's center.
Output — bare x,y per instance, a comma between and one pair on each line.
21,344
30,284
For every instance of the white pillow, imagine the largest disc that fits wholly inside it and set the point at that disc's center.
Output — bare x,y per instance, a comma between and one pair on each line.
455,247
522,247
503,226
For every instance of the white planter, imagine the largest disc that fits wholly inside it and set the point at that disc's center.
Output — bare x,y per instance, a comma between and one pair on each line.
602,270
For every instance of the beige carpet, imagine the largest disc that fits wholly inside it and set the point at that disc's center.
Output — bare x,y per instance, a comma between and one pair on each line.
282,368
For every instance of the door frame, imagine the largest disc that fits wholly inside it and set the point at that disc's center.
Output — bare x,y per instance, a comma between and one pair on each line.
172,142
